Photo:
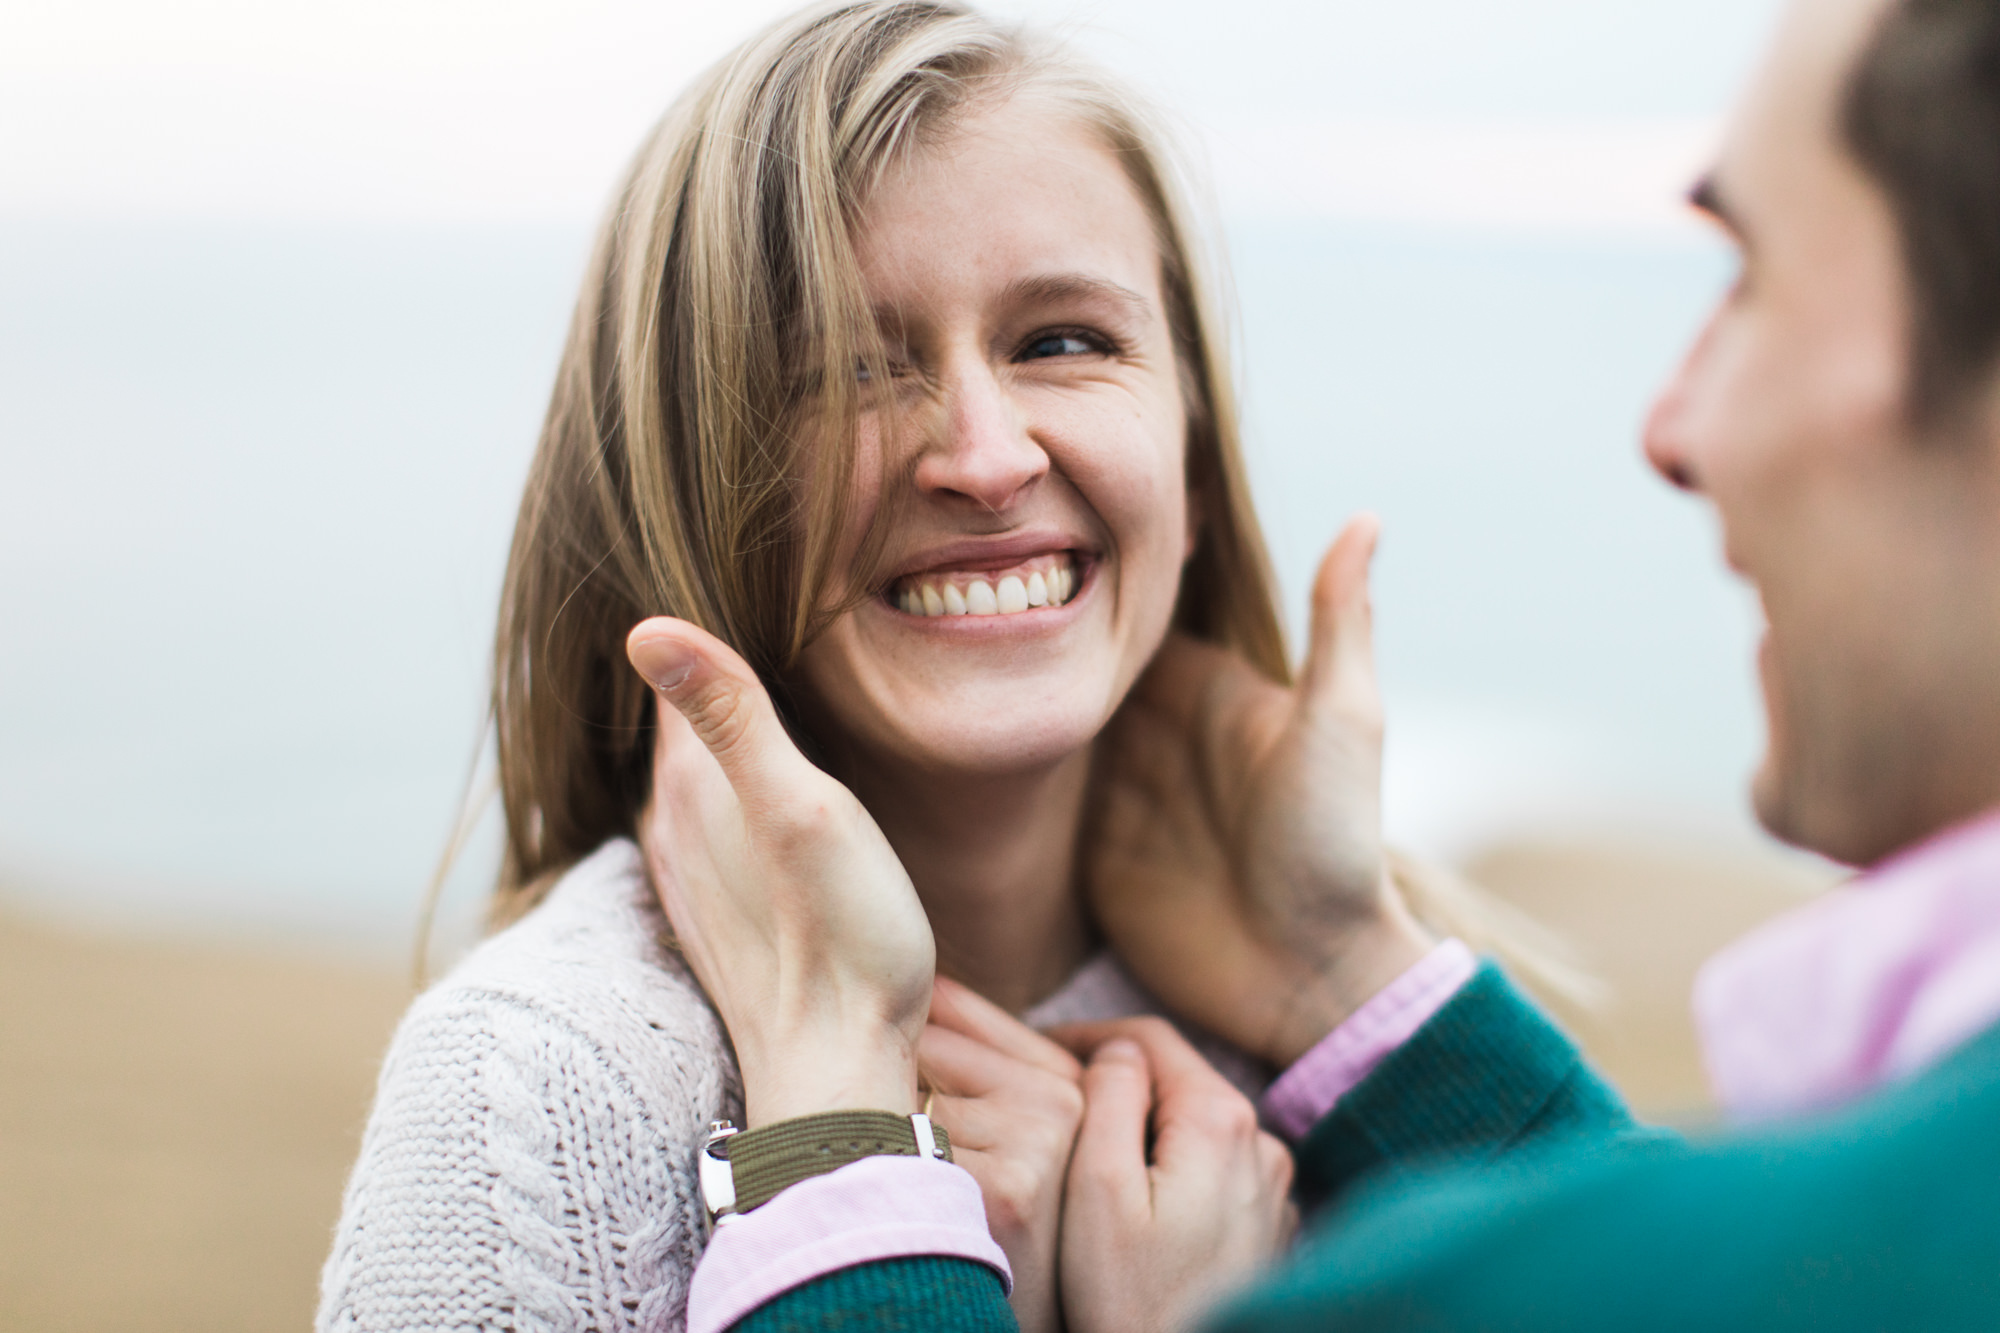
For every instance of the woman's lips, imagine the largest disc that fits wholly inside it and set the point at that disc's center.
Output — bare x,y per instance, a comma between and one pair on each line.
1041,581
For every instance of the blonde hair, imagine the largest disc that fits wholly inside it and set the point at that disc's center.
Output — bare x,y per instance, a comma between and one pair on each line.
713,349
709,370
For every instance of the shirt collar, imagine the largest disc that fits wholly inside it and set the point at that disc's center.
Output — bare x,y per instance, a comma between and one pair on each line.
1868,983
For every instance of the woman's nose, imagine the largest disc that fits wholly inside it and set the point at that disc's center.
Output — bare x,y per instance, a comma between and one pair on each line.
986,453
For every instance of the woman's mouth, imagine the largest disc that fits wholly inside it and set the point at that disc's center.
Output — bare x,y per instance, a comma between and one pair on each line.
1044,581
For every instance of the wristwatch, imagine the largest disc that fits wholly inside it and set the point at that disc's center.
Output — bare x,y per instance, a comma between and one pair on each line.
743,1169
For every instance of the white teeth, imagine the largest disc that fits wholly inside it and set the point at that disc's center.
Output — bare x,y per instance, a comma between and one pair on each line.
1014,595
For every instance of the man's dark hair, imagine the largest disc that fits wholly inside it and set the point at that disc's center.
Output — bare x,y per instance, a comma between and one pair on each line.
1922,116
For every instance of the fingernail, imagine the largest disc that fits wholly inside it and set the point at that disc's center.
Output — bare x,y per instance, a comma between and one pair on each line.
1120,1048
664,662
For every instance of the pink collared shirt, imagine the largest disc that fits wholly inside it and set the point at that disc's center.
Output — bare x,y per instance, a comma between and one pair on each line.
1867,984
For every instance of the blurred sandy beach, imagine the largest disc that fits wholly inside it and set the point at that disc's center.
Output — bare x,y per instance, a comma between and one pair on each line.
175,1124
176,1119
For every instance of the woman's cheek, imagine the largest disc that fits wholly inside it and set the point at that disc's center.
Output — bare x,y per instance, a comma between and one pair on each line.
1139,491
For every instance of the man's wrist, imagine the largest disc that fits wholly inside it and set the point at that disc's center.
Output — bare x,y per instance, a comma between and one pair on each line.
1327,991
868,1072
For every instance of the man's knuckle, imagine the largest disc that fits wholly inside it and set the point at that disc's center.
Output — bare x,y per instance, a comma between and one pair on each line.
722,718
1225,1114
1277,1162
815,816
1005,1214
1065,1101
810,824
1016,1183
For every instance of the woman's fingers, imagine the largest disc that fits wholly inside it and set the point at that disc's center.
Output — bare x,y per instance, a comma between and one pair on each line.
1193,1099
1171,1055
1110,1158
1012,1124
1150,1244
724,703
985,1096
961,1010
1340,655
955,1065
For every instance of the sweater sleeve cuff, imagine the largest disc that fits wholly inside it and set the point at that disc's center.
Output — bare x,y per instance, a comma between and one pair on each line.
1345,1056
873,1209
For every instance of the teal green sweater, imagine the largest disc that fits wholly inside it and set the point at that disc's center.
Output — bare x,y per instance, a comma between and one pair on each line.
1483,1178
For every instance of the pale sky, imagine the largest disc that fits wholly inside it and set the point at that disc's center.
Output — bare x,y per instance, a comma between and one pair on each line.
1538,114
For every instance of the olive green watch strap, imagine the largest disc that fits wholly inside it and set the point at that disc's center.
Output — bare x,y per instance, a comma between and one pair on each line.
766,1160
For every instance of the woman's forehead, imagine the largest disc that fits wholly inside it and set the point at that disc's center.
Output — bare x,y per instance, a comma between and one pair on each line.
1018,194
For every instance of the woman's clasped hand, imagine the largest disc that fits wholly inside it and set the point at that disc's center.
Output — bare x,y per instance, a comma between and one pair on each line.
1238,870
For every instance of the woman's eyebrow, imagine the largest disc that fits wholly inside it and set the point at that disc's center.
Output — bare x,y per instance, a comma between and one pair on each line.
1055,287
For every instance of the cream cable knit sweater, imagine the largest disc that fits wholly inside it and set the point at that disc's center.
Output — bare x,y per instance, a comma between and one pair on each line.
529,1161
529,1164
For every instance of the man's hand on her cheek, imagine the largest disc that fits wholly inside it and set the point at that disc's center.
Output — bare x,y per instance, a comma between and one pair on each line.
1239,867
1011,1100
787,902
1152,1239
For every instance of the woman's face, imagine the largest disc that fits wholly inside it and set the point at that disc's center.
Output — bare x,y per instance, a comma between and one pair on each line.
1034,484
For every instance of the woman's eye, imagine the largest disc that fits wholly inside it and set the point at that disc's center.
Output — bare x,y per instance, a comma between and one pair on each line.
1059,344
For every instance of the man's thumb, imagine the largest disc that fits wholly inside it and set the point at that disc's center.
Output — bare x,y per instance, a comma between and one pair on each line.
724,703
1340,654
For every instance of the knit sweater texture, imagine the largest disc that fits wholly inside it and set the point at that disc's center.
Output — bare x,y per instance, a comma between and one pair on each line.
529,1163
529,1166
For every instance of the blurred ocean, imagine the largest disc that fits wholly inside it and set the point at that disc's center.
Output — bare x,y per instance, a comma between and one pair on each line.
256,485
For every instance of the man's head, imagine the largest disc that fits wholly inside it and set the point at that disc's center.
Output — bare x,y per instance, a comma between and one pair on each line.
1840,411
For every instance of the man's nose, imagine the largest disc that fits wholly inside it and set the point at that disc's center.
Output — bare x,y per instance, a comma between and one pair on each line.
986,453
1672,425
1666,434
1664,448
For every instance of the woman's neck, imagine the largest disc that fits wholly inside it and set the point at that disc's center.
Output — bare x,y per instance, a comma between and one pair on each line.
994,861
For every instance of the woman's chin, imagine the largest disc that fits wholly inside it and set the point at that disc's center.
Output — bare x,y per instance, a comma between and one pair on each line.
982,741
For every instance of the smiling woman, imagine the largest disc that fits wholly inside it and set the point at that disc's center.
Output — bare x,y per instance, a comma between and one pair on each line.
894,371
